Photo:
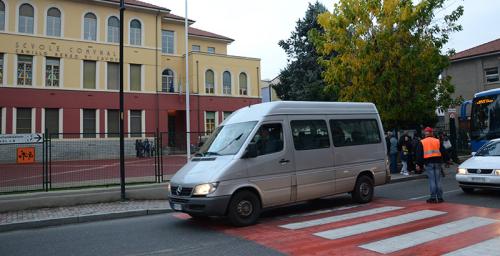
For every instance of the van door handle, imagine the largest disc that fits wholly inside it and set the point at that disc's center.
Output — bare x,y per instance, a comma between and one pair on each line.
284,161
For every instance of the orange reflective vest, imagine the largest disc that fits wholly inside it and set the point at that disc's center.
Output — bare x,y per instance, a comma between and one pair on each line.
431,147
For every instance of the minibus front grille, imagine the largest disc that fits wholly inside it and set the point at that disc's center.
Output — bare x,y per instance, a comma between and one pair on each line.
175,190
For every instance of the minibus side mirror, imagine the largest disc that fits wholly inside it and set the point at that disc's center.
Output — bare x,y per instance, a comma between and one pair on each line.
251,151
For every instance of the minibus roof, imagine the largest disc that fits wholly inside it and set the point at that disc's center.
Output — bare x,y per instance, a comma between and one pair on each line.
258,111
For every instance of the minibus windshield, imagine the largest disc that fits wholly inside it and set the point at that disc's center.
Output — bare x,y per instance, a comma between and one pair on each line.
226,139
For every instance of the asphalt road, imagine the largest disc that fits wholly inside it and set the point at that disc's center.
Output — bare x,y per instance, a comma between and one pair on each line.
167,234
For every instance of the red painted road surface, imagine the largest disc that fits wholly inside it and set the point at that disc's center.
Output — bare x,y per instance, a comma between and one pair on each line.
21,175
272,232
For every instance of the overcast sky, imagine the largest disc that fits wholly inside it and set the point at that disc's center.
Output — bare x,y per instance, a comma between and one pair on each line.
258,25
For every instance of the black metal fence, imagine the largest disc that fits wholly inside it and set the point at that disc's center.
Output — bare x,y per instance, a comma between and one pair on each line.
75,160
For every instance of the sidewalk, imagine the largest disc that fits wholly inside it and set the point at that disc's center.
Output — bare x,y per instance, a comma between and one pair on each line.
52,216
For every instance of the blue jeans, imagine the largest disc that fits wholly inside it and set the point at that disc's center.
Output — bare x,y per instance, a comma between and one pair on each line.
393,162
434,174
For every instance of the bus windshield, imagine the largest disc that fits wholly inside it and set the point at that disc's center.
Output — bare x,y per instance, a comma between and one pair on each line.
226,139
485,117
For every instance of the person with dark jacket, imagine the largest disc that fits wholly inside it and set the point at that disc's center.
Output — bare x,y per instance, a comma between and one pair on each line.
430,156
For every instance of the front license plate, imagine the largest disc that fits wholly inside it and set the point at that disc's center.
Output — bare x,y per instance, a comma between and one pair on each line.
177,207
478,179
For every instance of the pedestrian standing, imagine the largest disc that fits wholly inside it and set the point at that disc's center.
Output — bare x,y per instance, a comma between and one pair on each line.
405,155
393,152
147,148
429,156
414,145
137,148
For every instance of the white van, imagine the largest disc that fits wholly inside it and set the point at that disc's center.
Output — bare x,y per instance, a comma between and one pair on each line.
279,153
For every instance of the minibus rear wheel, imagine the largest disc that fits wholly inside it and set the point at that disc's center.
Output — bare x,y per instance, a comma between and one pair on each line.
363,190
244,208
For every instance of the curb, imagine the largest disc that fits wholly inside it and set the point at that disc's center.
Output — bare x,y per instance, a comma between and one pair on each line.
408,178
80,219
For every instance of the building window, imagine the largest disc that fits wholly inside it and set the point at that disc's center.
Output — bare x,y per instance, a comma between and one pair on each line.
52,122
53,22
226,114
89,123
491,75
135,123
52,72
309,134
195,48
113,76
2,16
113,122
167,41
209,122
243,84
167,81
89,74
209,82
211,50
23,120
226,82
90,27
135,32
1,68
24,70
135,77
113,30
26,18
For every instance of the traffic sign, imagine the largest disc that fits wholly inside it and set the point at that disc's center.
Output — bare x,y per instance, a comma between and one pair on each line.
21,138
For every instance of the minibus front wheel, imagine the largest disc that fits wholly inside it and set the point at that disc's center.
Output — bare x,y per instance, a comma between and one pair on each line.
363,190
244,208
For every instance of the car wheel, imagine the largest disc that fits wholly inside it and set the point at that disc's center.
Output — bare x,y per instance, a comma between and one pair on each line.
467,190
244,209
363,190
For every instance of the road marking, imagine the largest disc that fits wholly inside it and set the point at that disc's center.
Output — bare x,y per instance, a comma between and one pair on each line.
332,219
421,197
401,242
488,247
378,224
320,211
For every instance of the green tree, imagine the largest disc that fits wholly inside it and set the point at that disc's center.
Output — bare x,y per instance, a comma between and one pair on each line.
389,52
301,79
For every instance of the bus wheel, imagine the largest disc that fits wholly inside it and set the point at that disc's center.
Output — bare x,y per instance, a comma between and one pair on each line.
244,209
363,190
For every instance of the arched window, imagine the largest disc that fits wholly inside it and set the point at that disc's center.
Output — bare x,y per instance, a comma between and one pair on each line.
209,82
90,27
135,32
167,81
26,18
226,82
2,16
113,30
243,84
53,22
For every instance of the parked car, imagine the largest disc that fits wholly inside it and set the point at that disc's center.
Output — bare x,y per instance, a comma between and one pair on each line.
279,153
482,170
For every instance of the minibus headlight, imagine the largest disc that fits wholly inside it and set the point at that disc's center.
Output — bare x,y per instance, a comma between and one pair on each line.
496,172
462,171
204,189
168,188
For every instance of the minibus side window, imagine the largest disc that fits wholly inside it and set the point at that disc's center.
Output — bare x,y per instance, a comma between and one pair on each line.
352,132
269,139
310,134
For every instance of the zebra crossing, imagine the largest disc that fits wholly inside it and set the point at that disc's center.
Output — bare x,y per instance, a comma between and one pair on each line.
384,227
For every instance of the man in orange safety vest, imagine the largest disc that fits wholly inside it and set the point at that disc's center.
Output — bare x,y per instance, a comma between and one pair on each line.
430,156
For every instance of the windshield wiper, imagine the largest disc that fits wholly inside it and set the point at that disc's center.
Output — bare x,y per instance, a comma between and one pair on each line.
231,142
208,153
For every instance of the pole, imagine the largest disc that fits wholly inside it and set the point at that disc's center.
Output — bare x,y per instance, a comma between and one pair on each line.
122,123
188,128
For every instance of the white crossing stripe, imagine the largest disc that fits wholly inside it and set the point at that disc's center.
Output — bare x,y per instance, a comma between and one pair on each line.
332,219
378,224
489,247
401,242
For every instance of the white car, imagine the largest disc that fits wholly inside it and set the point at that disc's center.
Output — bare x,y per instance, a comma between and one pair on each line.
482,170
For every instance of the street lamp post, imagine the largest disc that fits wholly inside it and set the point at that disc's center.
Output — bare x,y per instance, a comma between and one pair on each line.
188,125
122,142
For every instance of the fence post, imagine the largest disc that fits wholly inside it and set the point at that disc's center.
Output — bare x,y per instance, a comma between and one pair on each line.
45,159
160,155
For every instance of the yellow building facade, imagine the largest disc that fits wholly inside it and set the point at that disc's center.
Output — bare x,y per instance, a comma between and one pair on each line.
59,69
